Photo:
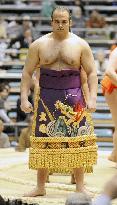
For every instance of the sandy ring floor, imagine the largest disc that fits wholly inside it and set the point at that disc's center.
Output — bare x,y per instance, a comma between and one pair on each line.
16,178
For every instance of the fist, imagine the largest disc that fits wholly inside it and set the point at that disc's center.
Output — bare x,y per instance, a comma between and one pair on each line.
26,106
91,105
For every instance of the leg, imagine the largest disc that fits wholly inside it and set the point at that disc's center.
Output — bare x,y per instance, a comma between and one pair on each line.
112,102
113,156
79,179
72,179
40,188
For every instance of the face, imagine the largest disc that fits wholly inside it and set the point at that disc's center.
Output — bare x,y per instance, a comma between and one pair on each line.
26,23
78,12
61,22
4,93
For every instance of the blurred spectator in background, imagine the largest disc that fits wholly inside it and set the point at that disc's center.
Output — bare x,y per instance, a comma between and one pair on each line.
13,29
24,138
4,139
3,28
101,62
47,8
3,47
96,20
22,41
80,4
4,92
26,24
33,2
78,20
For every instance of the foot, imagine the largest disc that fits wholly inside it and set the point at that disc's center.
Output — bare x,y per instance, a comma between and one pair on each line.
86,191
35,192
73,180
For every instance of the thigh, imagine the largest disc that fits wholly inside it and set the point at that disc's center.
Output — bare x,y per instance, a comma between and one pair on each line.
112,103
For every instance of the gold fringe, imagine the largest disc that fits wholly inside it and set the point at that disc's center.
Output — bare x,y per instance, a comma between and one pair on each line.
88,169
63,160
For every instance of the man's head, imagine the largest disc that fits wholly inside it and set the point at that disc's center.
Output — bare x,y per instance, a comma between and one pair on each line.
78,199
61,20
26,22
77,12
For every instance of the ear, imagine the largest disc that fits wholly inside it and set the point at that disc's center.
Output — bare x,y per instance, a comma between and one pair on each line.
70,23
51,23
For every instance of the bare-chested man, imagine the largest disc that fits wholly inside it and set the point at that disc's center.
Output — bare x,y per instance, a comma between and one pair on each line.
62,139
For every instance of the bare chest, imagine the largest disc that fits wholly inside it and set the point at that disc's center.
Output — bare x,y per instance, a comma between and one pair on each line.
67,53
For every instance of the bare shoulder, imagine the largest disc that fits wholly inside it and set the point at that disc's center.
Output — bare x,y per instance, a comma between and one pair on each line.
80,41
38,42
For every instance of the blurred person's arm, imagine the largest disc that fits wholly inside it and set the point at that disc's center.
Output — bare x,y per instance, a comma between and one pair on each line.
111,71
109,192
102,200
22,141
4,116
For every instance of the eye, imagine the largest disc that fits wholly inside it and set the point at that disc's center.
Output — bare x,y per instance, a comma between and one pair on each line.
56,21
64,22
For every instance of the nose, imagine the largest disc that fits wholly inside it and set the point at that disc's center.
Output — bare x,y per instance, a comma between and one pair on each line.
60,25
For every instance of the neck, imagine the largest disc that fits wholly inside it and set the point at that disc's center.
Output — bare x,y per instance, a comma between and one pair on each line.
60,36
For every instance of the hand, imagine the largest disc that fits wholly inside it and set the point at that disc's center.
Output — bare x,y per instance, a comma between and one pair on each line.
110,188
26,106
91,105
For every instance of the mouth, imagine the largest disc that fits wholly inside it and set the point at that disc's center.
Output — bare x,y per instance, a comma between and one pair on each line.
60,29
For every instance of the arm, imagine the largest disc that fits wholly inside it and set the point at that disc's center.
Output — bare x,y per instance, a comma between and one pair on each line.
22,139
112,67
31,63
88,64
21,147
84,84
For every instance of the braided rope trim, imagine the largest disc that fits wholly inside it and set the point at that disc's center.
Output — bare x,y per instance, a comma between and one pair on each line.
63,160
63,139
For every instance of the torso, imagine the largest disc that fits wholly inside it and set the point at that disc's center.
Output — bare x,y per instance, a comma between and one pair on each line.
60,55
